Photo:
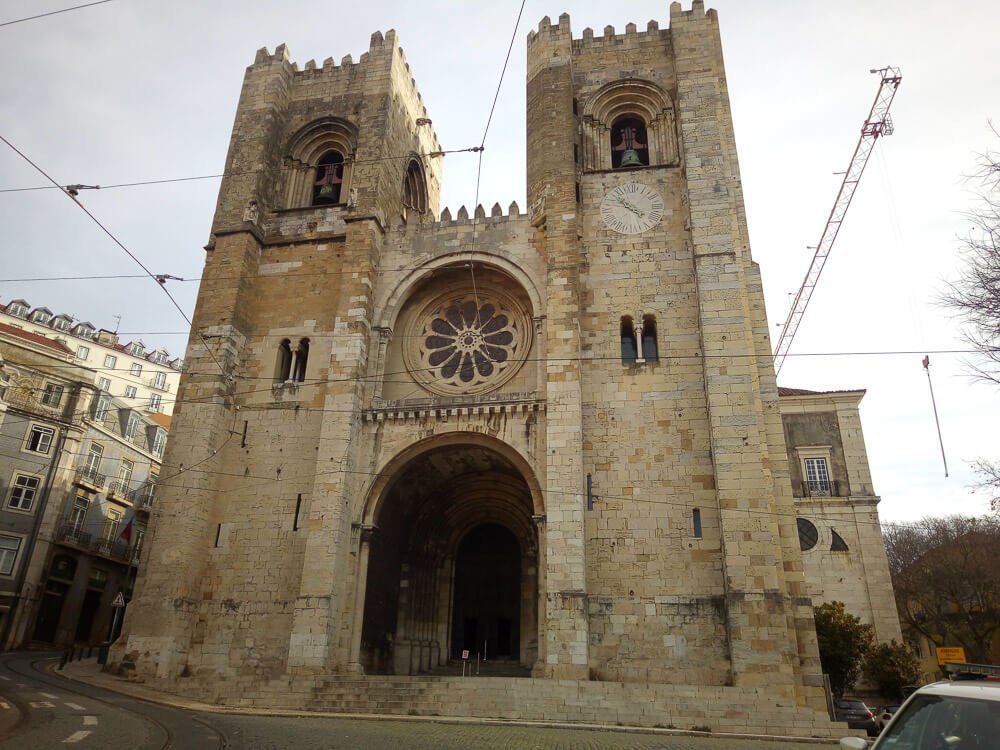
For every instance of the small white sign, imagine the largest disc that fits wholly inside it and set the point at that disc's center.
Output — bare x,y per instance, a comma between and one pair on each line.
119,600
465,653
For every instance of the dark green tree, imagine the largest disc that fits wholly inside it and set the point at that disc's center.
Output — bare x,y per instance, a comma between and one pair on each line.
844,642
889,667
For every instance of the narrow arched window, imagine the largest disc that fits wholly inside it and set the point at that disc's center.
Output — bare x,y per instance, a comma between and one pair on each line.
696,522
650,351
414,189
301,360
629,349
283,366
329,178
629,144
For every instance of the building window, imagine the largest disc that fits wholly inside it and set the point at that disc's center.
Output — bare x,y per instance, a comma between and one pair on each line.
22,492
60,323
84,330
41,315
98,579
78,516
160,381
104,384
135,349
39,439
650,351
111,522
102,407
53,395
9,546
628,143
82,352
414,189
159,441
817,476
110,360
808,534
696,522
329,178
131,425
17,308
124,476
301,359
837,543
95,453
283,367
160,357
135,369
154,401
628,343
130,391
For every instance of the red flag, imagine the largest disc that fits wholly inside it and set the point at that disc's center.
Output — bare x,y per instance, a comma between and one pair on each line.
126,535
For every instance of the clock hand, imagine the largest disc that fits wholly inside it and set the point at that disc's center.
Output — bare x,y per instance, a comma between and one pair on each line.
641,214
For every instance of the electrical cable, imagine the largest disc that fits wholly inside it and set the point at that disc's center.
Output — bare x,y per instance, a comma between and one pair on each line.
54,12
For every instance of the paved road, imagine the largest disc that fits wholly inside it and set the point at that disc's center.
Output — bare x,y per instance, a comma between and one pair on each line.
46,711
275,733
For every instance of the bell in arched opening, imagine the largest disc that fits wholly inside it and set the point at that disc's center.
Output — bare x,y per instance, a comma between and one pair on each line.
629,150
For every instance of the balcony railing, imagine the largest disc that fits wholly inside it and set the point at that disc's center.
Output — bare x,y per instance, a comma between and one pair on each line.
118,486
142,496
91,476
821,489
114,549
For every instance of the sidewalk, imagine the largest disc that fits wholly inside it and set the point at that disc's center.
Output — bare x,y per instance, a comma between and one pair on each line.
89,672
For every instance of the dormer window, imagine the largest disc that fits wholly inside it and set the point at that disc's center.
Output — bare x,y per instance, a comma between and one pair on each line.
136,348
329,179
41,315
18,308
159,357
83,330
61,323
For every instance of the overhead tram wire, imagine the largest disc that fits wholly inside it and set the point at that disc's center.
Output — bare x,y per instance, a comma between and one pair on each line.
240,173
69,194
53,13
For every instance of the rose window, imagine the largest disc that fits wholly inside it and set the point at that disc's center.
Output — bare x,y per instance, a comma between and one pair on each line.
465,345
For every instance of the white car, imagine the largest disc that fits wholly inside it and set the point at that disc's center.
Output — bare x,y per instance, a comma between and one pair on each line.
962,713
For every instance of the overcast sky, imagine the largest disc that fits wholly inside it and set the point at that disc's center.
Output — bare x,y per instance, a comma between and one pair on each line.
136,90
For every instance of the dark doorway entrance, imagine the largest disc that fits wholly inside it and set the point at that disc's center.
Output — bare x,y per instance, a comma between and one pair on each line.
91,603
487,603
49,611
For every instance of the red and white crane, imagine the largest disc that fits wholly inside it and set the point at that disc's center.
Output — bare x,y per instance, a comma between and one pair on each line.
877,124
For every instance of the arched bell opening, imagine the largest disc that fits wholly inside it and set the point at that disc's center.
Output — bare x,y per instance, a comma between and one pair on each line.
452,566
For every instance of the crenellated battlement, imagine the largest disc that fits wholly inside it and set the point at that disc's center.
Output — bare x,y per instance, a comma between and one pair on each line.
513,212
383,51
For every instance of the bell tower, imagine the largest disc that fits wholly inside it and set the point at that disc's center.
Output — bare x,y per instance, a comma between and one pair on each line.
322,163
659,352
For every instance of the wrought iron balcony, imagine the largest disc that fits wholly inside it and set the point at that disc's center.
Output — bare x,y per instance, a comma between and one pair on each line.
829,488
115,549
142,496
90,476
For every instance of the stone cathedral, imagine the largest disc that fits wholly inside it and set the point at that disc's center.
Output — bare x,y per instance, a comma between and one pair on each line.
547,437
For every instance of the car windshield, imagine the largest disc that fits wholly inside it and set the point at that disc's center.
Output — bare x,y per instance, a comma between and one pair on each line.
933,722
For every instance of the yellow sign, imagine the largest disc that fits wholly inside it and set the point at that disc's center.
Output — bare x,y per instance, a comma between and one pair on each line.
946,654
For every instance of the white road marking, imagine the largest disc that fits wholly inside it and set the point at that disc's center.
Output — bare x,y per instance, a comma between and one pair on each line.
90,721
41,704
49,696
2,677
75,706
76,737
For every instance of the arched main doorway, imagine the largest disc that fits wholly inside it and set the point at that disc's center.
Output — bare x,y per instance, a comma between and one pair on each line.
486,600
453,564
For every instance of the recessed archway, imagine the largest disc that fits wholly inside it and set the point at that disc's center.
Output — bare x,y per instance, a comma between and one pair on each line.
453,563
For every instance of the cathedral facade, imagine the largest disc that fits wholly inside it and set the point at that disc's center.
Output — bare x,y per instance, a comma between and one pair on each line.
545,436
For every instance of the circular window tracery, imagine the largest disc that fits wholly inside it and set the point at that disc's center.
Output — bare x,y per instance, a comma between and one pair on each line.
467,342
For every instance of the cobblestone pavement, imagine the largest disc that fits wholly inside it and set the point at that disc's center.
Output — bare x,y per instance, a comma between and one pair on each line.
278,733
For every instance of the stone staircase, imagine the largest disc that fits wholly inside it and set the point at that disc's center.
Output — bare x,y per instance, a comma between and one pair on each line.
715,709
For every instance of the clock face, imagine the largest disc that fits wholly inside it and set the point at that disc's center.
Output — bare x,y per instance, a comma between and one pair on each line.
632,208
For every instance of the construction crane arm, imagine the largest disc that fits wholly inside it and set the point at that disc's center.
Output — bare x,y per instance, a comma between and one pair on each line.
877,124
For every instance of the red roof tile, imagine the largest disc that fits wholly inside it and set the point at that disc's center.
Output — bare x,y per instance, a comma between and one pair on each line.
35,338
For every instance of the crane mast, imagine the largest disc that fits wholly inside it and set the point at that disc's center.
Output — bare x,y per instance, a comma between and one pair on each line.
877,124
